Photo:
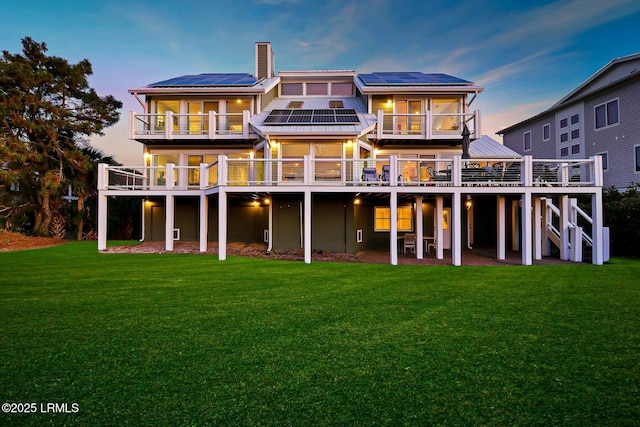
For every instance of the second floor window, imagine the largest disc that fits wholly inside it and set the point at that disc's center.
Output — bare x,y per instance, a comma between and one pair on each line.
526,141
546,132
607,114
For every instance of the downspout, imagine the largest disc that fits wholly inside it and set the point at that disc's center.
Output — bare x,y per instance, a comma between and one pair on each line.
301,225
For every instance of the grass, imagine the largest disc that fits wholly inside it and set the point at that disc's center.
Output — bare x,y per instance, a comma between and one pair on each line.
167,340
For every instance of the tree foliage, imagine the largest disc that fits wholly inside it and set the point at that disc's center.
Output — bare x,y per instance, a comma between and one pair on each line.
622,216
47,111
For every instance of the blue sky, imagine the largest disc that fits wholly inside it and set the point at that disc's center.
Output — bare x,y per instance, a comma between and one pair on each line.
526,54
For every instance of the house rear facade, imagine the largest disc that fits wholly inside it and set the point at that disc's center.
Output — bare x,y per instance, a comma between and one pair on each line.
333,160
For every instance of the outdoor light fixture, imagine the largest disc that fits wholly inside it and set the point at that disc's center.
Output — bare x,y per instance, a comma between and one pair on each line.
469,202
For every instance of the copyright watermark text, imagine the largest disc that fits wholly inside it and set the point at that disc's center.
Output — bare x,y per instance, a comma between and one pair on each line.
40,408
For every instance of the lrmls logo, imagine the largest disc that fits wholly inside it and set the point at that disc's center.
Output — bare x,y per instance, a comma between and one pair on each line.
59,408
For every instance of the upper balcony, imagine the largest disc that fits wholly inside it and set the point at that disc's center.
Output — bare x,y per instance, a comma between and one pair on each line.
157,128
426,126
375,174
171,126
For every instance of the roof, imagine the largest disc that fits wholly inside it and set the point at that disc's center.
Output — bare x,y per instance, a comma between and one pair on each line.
487,147
413,82
208,80
611,75
410,79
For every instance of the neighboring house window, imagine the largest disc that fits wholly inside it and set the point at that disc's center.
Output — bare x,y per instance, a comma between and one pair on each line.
605,160
564,152
383,218
575,134
575,119
563,123
575,149
546,132
637,156
564,137
526,140
607,114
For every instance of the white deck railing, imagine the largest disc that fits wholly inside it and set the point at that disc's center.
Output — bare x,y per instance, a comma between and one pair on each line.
392,171
171,126
427,126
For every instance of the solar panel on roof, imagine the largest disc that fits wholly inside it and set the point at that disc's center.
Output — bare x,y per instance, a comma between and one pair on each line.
307,116
208,79
410,78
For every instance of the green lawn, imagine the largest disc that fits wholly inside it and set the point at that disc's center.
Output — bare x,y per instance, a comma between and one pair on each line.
186,340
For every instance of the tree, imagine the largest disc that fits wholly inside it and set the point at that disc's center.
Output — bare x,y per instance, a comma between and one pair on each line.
46,110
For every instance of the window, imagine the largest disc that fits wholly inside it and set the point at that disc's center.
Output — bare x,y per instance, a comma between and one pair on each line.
564,123
526,140
383,218
575,134
606,114
575,149
342,89
575,119
564,137
637,156
564,152
546,132
317,89
605,160
291,89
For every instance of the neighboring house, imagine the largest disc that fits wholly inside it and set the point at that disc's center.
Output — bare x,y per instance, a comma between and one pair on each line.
599,117
343,162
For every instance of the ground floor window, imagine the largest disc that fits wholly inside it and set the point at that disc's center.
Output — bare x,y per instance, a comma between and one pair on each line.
383,218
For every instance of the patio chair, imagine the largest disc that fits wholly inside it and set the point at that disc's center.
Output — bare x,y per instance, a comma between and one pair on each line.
369,175
385,174
409,243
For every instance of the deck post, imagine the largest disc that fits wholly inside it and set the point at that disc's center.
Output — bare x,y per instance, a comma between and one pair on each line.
419,229
526,221
597,234
456,228
222,225
501,238
307,225
393,233
537,228
102,221
204,221
565,208
169,221
439,232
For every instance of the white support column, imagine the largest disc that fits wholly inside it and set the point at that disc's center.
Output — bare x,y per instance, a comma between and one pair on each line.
170,176
204,222
419,229
222,225
526,239
307,226
393,170
597,234
393,233
501,226
102,221
565,212
439,232
456,228
169,221
168,125
544,237
537,228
